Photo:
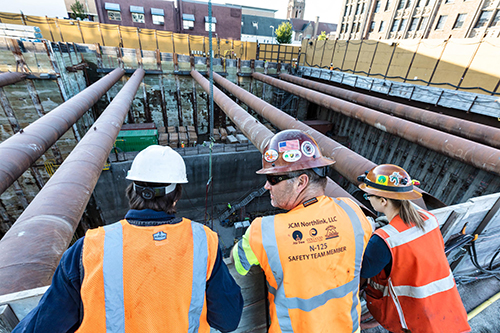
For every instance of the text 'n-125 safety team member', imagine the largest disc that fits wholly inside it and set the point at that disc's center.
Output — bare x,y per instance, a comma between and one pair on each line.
150,272
410,285
311,255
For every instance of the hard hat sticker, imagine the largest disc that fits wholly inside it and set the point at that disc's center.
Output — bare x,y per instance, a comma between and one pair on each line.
308,149
383,180
395,178
292,155
271,155
288,145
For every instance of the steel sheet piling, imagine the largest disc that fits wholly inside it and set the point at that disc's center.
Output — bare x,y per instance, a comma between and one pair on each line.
33,246
22,149
460,127
478,155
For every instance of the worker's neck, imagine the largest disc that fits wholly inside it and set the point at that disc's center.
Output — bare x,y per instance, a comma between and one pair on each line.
308,194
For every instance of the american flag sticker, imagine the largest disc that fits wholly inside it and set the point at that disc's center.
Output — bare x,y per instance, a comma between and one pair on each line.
288,145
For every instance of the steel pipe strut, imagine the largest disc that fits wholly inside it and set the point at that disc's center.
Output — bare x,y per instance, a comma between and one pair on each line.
464,128
22,149
32,248
478,155
348,163
9,78
258,133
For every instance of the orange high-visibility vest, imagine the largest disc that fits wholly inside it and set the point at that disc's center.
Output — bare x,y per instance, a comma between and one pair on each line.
311,257
147,279
420,292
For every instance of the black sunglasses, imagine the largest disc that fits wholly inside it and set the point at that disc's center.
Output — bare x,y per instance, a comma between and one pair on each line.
275,179
367,196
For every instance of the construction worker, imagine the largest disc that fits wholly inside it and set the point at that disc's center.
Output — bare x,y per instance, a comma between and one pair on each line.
410,285
150,272
310,255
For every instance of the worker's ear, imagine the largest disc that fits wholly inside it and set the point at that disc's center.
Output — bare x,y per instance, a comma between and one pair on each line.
383,201
302,182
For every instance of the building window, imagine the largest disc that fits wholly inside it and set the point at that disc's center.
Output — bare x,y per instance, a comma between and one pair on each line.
357,9
420,3
382,26
355,27
113,10
372,26
347,28
459,21
350,10
413,24
137,14
388,5
409,3
422,23
401,4
429,2
496,20
207,23
187,21
449,1
346,12
377,6
403,25
114,16
359,26
440,24
395,25
158,16
484,18
342,28
363,8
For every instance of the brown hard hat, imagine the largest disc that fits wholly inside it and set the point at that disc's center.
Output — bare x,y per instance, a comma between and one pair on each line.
292,150
388,181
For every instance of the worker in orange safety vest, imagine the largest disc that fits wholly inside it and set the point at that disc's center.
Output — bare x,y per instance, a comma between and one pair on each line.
150,272
410,285
310,255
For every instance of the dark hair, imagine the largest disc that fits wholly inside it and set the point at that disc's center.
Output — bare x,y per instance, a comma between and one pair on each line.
408,213
165,203
314,179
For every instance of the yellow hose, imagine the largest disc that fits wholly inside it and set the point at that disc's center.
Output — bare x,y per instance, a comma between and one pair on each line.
483,306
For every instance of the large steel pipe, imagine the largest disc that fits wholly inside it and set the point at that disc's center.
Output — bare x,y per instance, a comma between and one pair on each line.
478,155
22,149
255,131
9,78
32,248
348,163
464,128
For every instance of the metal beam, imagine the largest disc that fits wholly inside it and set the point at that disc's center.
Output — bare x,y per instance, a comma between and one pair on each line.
32,248
464,128
348,163
252,128
22,149
9,78
478,155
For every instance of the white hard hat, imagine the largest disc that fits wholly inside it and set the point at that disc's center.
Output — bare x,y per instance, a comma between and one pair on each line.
158,164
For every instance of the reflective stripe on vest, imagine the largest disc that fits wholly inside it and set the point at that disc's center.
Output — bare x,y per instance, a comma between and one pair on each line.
430,289
200,259
283,303
397,238
243,257
113,277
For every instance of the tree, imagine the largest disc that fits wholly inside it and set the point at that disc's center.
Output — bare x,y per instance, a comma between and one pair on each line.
322,36
284,33
78,10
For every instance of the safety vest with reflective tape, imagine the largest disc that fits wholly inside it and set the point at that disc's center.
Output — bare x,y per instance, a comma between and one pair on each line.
420,292
311,257
147,279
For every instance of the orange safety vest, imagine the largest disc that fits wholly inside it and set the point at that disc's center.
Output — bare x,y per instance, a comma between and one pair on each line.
147,279
420,292
311,257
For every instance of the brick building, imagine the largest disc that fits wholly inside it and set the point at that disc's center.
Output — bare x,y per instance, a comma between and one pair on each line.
393,19
184,16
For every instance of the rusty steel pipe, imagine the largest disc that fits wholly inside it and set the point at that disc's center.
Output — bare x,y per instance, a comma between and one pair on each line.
464,128
256,132
348,163
476,154
9,78
32,248
22,149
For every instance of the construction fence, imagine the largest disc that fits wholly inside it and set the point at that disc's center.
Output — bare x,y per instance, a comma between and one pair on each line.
75,31
469,64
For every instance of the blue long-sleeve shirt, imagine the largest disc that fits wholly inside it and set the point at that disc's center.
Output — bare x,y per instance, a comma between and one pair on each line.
61,307
376,258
